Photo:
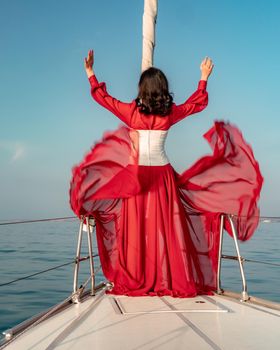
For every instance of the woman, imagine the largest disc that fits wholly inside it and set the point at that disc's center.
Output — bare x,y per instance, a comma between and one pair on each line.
157,231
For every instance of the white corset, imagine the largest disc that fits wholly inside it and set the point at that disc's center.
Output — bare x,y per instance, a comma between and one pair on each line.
151,147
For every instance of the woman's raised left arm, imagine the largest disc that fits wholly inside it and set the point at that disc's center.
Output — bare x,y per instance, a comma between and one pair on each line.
99,93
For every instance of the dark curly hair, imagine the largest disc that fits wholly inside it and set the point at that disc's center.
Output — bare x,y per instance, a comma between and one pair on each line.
153,93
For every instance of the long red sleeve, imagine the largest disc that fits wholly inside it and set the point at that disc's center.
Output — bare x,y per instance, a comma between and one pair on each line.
194,104
99,93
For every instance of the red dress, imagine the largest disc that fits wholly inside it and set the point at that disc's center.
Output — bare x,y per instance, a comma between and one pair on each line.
158,231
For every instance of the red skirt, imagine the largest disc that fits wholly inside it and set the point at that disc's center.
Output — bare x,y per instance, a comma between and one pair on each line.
158,231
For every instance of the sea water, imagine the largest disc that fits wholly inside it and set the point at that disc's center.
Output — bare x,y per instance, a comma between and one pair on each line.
30,248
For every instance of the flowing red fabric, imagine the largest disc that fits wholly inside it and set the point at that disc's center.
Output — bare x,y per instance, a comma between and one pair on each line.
158,231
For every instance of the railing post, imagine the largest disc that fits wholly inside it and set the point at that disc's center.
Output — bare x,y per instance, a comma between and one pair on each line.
244,293
91,262
219,289
76,290
78,254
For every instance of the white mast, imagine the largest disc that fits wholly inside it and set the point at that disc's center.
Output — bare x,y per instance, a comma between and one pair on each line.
149,23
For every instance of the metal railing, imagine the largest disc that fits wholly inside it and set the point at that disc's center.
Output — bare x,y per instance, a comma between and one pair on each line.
87,227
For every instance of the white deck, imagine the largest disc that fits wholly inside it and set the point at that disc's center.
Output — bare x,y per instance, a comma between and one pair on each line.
141,323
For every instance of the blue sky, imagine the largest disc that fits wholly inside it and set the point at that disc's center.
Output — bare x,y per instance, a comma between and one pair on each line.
49,121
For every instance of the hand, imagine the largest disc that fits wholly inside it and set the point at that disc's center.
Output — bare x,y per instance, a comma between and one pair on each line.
88,63
206,68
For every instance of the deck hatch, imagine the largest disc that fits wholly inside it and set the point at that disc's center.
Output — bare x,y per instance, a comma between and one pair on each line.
139,305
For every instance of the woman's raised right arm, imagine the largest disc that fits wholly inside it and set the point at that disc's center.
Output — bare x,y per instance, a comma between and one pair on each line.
198,100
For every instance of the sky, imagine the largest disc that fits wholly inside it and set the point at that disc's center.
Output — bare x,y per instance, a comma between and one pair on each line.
49,120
